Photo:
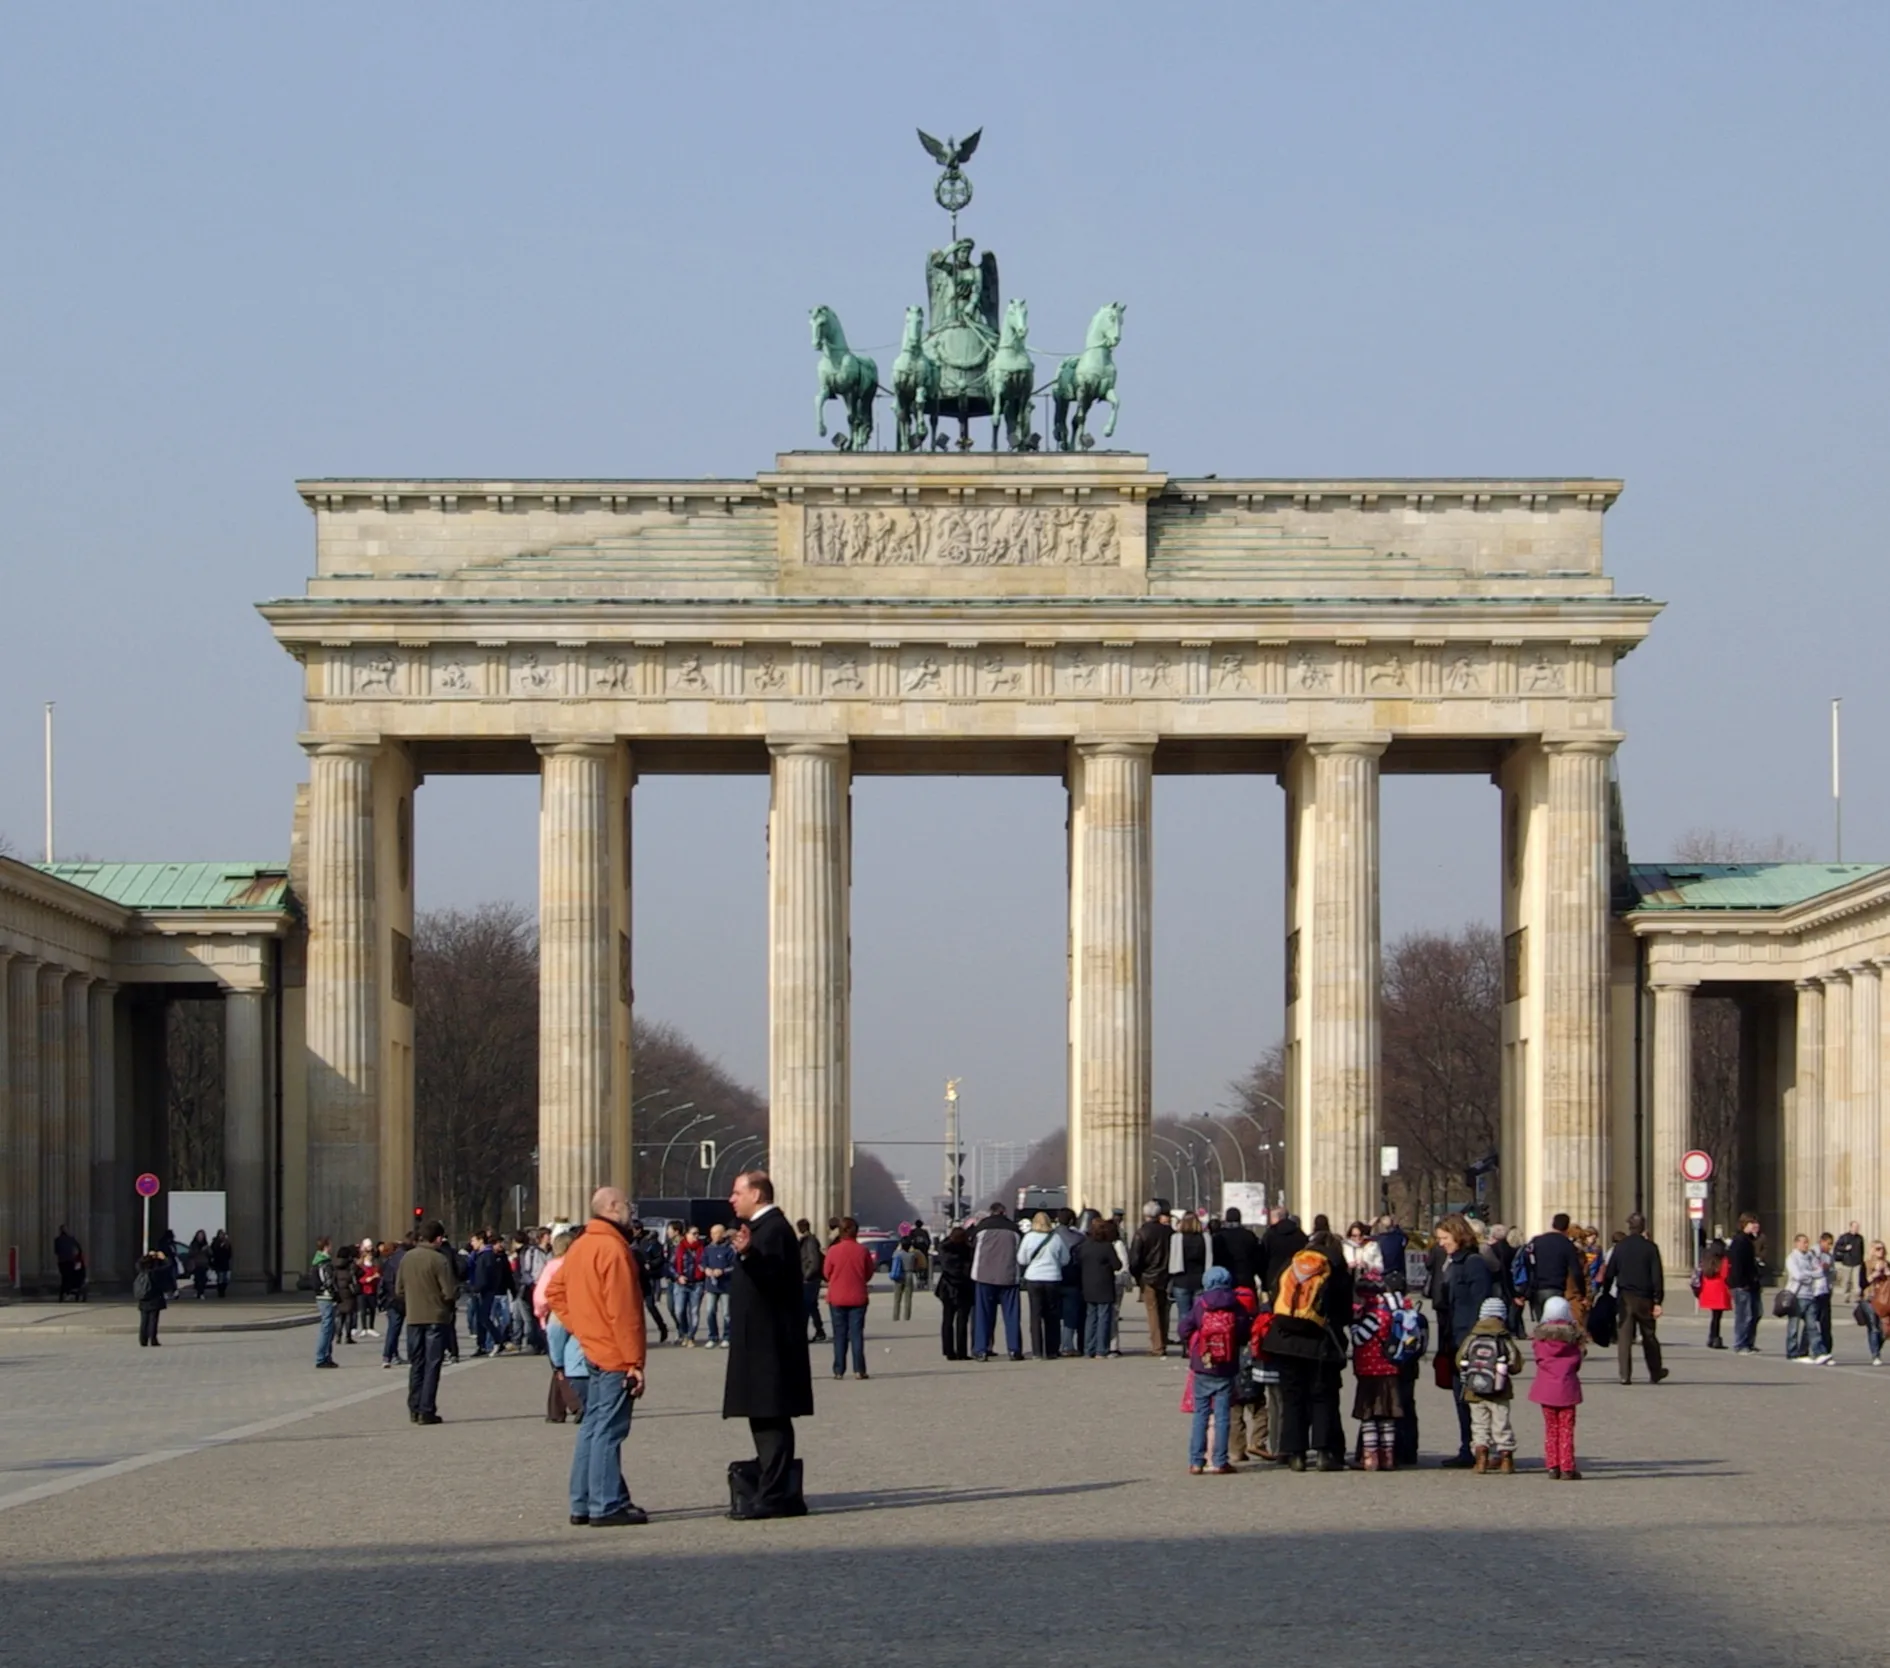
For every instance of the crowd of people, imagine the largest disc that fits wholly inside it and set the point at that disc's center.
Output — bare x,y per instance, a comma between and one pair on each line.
1269,1318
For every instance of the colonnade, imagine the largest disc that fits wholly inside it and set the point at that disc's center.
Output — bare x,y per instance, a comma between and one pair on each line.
58,1109
1560,1104
1827,1085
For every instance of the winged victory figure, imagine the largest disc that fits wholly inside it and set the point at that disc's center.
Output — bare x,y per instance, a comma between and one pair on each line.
950,154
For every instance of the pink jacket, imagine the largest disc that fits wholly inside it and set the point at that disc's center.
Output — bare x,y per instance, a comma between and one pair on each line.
1558,1381
541,1293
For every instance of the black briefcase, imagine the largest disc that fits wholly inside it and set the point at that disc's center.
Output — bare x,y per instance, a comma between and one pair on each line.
744,1491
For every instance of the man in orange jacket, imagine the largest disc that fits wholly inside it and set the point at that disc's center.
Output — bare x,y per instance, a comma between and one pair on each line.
595,1293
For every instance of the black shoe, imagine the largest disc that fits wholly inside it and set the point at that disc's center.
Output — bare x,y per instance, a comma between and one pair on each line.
1331,1462
578,1522
629,1517
1664,1374
984,1357
1459,1462
431,1419
1296,1462
318,1363
1018,1357
413,1417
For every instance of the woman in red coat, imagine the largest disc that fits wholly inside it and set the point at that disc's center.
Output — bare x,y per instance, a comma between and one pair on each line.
1712,1290
849,1271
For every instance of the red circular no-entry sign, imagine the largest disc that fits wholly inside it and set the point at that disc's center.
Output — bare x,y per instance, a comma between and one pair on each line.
1696,1166
147,1186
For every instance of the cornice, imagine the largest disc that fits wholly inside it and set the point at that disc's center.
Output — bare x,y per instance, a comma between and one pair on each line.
63,897
1858,897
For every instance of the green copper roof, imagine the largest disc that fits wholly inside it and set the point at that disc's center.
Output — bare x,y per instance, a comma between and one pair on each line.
155,886
1739,885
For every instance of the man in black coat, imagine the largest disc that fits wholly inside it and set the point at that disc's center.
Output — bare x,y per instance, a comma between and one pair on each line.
769,1381
1635,1272
1279,1245
1237,1249
1745,1274
1554,1262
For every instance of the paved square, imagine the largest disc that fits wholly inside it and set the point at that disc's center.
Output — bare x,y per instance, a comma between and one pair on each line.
1035,1511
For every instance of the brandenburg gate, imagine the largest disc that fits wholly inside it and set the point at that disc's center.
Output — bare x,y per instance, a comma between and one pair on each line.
1075,613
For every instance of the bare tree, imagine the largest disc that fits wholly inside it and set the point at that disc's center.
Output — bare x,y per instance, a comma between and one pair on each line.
1443,1013
476,1084
475,983
193,1093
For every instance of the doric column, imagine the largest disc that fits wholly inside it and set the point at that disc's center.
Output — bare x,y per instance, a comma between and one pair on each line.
1111,1016
1804,1117
245,1134
1866,1098
809,876
104,1251
343,1002
1332,1146
576,978
76,1125
53,1203
1672,1120
22,1178
1575,979
1836,1174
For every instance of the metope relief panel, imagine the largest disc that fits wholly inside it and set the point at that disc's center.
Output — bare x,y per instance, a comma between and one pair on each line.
1157,671
536,674
1080,671
1388,672
1002,672
844,673
922,672
687,672
456,672
614,674
1054,536
376,671
1541,675
768,673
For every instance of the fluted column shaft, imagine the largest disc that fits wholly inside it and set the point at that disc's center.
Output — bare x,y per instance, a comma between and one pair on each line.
1111,1009
1672,1120
76,1123
19,1096
577,976
1837,1174
1865,1199
1804,1118
245,1134
1575,980
343,1003
809,977
104,1251
53,1203
1333,1145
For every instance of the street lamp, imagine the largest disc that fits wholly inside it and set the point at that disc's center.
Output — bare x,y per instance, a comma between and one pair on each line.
1239,1151
662,1169
1174,1176
736,1146
1193,1171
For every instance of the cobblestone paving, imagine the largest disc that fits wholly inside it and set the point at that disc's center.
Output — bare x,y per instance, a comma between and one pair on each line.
1038,1511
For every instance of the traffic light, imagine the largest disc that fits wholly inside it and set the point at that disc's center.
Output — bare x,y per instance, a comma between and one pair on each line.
419,1211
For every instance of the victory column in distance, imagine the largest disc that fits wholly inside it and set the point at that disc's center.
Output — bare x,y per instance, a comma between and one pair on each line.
972,358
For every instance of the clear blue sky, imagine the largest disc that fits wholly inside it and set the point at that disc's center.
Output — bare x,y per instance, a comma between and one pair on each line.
248,244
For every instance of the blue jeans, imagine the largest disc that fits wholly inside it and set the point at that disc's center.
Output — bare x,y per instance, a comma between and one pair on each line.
1073,1319
1096,1322
1212,1396
597,1485
988,1302
391,1323
1821,1324
1745,1319
715,1312
682,1304
849,1328
479,1321
1873,1329
1182,1296
325,1337
1798,1332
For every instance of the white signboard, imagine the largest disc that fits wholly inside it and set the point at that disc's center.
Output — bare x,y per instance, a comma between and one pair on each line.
1696,1190
1249,1198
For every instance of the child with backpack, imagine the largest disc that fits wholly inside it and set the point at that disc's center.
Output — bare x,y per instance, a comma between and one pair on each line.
1377,1400
1213,1332
1488,1361
1557,1343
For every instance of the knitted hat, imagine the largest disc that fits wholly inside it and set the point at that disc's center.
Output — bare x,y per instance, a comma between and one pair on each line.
1556,1312
1493,1309
1216,1278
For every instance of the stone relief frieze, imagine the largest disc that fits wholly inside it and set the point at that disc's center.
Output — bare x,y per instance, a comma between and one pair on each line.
900,536
374,673
531,676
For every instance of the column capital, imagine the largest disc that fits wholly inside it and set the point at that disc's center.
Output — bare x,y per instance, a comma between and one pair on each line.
1671,984
1812,982
1369,744
1863,969
809,747
339,747
1115,747
1590,743
1836,976
575,747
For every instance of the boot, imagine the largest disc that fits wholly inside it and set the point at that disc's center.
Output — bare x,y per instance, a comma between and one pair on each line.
1368,1459
1507,1465
1480,1462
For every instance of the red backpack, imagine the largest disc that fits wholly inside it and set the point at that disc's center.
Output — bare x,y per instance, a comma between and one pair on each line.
1212,1345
